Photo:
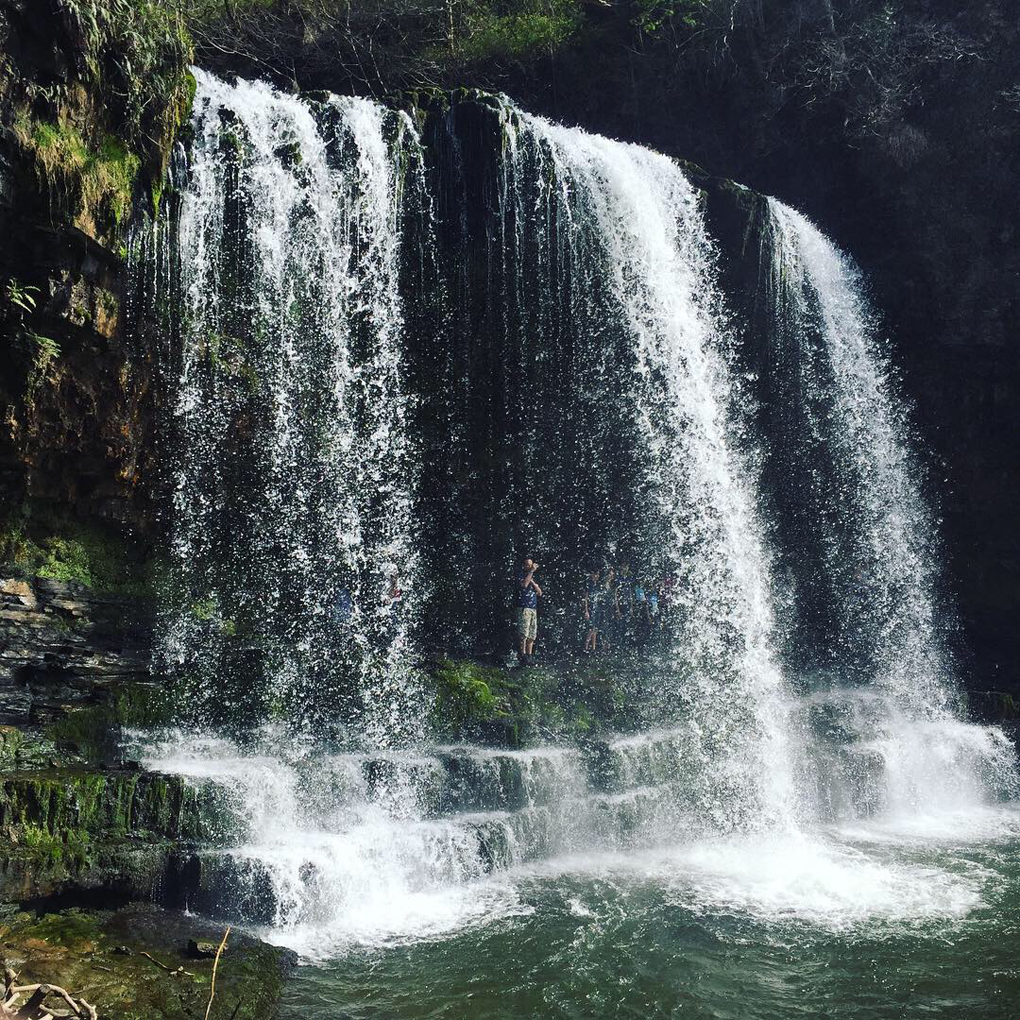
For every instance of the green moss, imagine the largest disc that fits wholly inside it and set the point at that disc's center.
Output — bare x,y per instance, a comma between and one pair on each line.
75,929
107,958
71,847
116,170
94,181
191,88
11,739
516,707
139,51
204,609
67,812
36,544
156,195
131,60
90,731
464,695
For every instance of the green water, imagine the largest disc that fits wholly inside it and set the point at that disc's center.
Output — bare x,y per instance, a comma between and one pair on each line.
878,924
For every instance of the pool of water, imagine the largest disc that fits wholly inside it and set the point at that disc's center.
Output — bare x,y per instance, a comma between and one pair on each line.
918,919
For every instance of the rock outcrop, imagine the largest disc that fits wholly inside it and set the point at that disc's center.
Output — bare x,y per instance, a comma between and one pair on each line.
134,963
91,96
64,648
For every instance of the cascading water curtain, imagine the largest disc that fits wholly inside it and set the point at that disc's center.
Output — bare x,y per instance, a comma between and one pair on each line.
878,538
294,581
624,227
865,545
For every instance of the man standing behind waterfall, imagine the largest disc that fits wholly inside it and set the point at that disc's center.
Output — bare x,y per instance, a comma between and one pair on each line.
528,593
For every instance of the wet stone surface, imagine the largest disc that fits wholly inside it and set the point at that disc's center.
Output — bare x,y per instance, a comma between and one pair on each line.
133,963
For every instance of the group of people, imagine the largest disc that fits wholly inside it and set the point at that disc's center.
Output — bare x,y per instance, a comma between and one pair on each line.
621,609
618,609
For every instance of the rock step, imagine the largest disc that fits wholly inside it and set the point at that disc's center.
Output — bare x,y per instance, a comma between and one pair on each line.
62,644
122,869
334,792
124,831
82,805
301,876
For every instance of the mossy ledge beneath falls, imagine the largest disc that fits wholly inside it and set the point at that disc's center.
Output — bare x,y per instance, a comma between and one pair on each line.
126,961
81,828
568,700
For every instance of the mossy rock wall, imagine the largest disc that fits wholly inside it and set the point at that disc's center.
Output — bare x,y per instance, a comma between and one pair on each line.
65,832
89,806
92,94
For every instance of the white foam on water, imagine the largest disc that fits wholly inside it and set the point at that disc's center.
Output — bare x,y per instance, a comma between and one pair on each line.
402,918
967,826
832,885
375,879
817,880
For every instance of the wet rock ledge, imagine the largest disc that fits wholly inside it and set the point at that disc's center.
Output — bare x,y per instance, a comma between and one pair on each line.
134,963
94,848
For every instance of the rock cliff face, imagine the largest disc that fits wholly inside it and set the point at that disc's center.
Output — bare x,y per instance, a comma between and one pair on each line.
82,147
91,94
63,648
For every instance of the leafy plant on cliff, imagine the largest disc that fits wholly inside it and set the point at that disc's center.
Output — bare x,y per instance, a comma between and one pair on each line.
383,43
139,51
90,137
464,695
521,33
652,16
19,305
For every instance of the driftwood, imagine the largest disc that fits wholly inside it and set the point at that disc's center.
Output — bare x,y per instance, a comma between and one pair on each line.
178,971
35,1007
216,963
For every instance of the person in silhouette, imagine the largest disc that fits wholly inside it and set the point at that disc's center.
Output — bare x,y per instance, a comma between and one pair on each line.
591,607
391,609
640,612
654,620
667,598
342,611
343,606
395,594
528,593
607,599
623,606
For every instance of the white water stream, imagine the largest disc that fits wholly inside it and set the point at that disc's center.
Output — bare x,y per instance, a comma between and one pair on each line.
292,500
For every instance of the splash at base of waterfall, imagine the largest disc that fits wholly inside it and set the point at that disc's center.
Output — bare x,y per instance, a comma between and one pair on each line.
325,850
831,927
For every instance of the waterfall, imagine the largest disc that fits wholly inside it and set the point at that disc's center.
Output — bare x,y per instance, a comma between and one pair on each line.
877,569
409,345
620,229
291,522
879,534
